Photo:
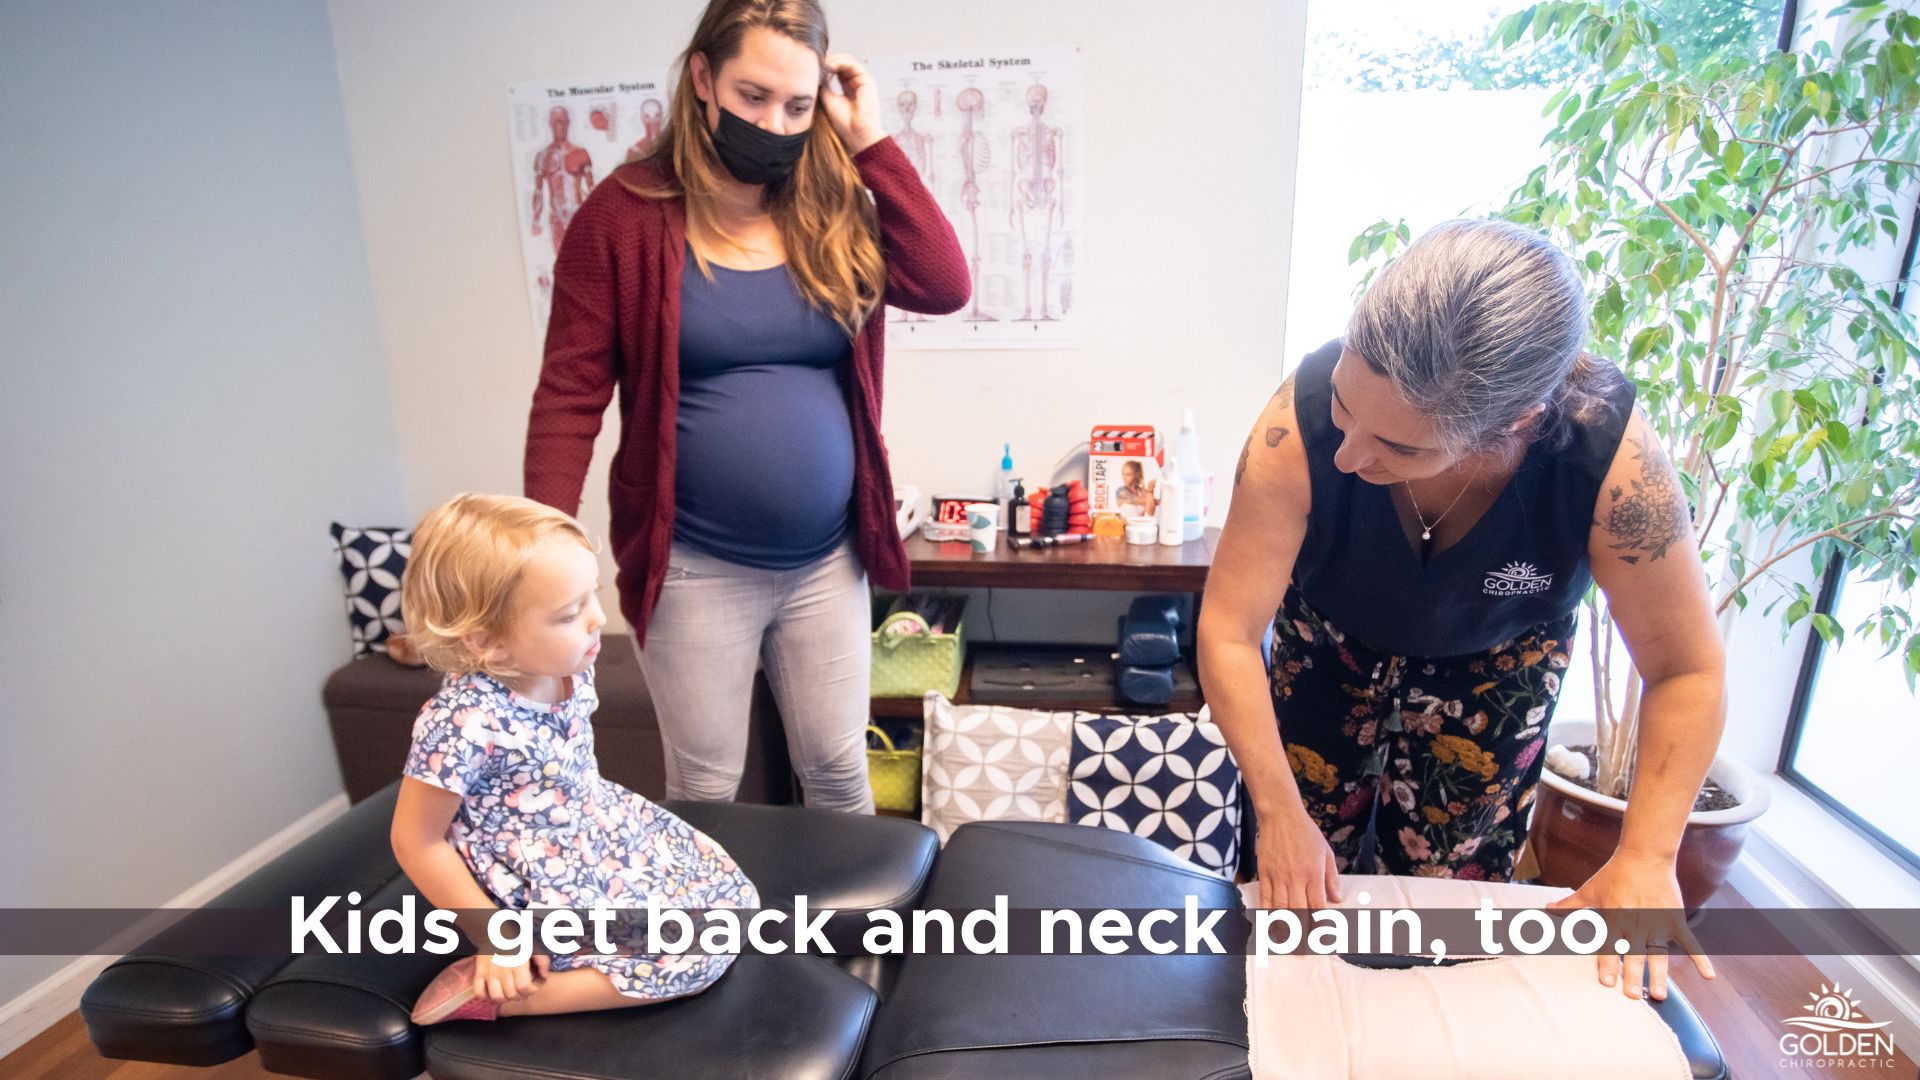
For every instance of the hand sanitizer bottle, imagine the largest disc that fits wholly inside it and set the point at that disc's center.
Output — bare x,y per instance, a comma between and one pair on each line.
1193,480
1172,507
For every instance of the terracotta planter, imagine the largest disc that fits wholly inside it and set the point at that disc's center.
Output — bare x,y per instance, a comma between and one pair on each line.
1575,830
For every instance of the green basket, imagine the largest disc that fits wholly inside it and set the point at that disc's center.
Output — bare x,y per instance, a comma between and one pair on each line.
908,665
894,775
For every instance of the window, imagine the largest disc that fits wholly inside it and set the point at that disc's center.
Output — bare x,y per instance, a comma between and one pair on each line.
1854,727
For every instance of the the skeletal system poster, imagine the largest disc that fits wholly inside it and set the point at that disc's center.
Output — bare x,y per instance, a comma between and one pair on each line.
567,135
996,136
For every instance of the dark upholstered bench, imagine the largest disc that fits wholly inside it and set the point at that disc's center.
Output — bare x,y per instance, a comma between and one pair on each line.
372,702
191,1010
959,1016
327,1015
1176,1017
953,1016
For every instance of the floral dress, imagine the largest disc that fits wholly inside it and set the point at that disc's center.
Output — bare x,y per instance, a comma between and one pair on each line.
540,827
1440,756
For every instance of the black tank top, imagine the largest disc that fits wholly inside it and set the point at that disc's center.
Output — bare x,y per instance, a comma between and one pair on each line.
1523,563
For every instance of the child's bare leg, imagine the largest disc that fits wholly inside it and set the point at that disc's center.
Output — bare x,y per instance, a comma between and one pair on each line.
579,990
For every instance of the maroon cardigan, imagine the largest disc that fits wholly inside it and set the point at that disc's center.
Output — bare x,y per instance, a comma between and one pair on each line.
616,324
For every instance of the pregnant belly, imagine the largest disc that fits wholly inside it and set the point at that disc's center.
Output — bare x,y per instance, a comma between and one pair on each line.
765,459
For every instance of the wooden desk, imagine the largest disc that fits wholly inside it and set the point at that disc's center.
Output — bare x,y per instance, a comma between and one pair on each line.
1109,565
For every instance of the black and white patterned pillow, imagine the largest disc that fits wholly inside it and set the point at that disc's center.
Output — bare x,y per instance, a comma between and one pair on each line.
1167,778
372,561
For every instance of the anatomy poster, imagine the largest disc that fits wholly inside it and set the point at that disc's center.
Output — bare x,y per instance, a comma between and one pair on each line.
567,135
996,136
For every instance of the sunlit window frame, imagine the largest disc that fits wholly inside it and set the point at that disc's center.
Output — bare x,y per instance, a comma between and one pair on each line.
1826,603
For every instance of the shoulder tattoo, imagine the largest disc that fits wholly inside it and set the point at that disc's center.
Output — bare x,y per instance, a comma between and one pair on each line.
1653,515
1283,397
1275,434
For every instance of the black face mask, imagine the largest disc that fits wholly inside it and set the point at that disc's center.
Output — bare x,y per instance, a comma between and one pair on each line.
754,155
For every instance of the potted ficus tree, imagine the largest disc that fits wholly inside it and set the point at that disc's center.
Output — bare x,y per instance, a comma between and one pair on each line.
1724,206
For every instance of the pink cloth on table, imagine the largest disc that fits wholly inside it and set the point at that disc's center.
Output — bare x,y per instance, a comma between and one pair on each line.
1313,1017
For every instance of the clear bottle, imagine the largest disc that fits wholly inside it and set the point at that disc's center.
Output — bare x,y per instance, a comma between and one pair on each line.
1193,480
1172,509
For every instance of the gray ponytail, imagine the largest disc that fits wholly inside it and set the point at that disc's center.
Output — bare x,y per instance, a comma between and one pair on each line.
1475,324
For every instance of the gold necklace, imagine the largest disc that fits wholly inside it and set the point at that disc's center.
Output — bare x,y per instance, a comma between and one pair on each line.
1426,530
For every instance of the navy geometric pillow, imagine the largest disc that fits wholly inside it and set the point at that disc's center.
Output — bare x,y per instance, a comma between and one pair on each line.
1167,778
372,561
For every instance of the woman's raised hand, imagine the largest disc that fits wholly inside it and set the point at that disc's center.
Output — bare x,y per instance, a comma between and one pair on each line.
854,107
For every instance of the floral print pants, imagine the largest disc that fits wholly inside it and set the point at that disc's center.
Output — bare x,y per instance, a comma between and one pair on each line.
1441,756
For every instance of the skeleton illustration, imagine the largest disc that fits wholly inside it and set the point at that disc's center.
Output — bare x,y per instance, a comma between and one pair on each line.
975,157
1037,202
919,148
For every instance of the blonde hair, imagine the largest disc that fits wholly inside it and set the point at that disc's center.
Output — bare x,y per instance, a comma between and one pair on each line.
469,554
823,213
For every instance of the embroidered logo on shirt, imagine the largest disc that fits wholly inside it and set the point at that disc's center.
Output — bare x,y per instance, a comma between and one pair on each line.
1516,579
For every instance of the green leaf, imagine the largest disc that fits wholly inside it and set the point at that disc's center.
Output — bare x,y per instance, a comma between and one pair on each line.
1734,156
1855,495
1901,56
1824,625
1511,27
1617,50
1668,58
1798,610
1647,340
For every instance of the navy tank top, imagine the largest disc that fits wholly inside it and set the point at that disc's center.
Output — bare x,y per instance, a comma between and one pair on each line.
764,472
1522,564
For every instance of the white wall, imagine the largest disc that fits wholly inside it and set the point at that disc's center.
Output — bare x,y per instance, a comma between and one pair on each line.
192,389
1189,142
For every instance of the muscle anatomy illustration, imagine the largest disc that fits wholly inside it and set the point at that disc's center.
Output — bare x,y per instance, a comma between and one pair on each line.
652,120
562,177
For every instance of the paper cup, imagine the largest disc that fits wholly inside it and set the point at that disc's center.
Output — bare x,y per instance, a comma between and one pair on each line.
983,526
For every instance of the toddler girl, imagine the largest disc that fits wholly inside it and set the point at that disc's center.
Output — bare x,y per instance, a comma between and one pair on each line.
503,804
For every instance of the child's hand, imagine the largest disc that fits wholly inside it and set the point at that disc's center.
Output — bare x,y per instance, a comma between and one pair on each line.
495,980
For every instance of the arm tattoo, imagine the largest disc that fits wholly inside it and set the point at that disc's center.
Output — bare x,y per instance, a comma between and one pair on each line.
1654,516
1283,398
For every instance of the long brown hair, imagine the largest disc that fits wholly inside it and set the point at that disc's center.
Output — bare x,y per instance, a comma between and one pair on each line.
822,210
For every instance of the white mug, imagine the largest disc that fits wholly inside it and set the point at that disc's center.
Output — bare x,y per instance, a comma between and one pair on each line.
983,526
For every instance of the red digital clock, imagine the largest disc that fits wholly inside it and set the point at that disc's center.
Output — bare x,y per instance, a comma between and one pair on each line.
949,520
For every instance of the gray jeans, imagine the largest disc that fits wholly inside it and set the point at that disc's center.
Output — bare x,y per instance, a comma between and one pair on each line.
718,621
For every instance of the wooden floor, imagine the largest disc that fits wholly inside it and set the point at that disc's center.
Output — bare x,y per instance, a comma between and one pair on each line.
1743,1009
